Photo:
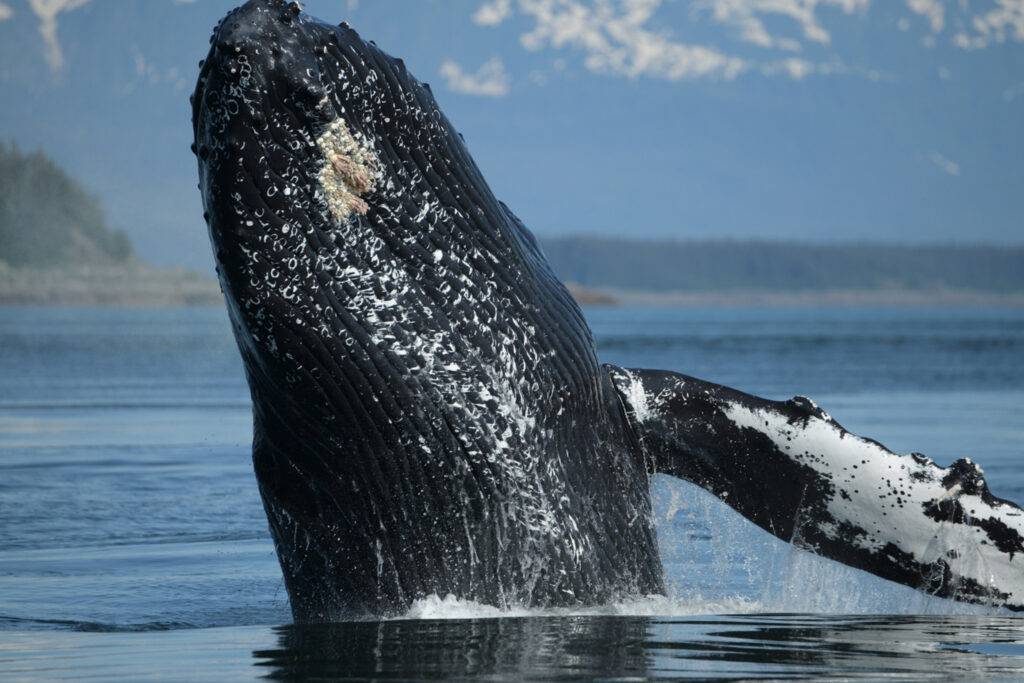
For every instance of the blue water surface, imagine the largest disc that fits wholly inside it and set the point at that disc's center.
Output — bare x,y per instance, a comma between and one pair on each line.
131,527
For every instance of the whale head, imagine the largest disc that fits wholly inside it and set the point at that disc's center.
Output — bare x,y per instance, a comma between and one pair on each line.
429,414
300,130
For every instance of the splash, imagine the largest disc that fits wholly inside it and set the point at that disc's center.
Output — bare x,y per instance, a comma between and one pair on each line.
710,551
451,607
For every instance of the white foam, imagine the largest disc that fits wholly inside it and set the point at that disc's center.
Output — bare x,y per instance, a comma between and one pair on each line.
451,607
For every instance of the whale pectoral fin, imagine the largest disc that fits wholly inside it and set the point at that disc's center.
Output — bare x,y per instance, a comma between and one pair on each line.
794,471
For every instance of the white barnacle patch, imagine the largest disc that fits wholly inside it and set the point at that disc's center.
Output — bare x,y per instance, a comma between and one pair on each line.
349,170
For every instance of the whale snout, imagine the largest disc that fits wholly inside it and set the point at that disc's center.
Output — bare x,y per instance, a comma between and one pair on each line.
262,63
311,144
288,114
281,161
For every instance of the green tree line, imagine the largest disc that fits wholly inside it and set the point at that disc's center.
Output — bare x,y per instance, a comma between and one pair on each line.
48,220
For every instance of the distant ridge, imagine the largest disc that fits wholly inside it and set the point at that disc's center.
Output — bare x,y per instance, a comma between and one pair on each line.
734,265
56,247
48,220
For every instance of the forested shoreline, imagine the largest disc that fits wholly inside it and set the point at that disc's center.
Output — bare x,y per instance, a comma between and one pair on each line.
57,248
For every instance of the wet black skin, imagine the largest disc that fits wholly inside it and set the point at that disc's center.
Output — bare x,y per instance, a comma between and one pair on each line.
497,460
377,489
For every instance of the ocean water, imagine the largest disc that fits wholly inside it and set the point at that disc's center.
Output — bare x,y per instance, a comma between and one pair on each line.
133,543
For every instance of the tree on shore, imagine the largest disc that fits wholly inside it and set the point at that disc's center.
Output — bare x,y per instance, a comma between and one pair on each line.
48,220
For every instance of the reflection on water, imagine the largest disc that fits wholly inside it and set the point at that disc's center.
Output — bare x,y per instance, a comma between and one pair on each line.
742,647
530,647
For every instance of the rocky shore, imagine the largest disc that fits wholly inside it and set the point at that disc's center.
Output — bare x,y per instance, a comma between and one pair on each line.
131,285
136,284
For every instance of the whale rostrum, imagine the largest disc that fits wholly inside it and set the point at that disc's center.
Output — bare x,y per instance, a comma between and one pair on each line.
430,415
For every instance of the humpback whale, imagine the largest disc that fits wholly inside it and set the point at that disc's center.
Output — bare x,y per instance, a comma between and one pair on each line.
430,414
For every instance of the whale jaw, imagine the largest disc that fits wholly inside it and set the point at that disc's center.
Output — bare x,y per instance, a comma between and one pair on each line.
429,414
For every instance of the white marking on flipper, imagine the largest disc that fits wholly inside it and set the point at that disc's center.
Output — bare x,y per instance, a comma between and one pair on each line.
866,472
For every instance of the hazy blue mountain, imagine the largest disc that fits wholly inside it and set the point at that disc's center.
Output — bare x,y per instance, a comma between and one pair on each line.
47,219
701,266
56,247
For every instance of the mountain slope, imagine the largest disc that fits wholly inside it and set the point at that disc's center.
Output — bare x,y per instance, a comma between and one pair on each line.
47,220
